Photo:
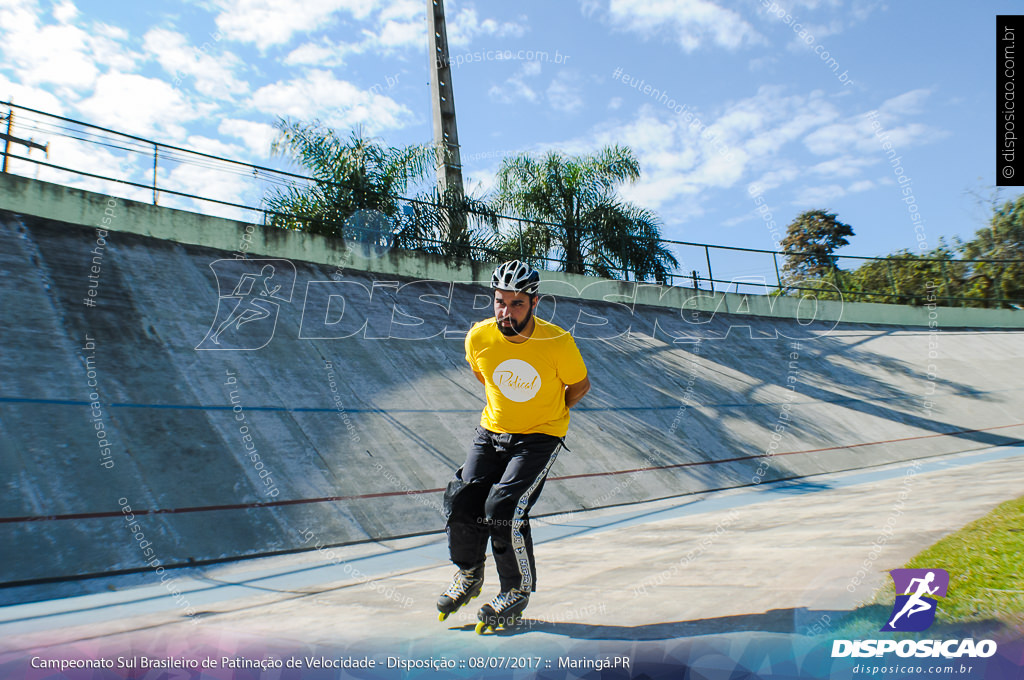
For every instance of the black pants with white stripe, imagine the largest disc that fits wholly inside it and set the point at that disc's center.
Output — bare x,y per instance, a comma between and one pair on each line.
491,496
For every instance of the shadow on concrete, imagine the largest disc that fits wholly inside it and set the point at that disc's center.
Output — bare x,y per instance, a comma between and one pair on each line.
369,427
773,621
799,620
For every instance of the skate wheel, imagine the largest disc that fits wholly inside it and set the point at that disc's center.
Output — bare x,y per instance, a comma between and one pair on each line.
481,627
441,616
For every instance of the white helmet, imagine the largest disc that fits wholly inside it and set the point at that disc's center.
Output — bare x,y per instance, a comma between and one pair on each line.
517,277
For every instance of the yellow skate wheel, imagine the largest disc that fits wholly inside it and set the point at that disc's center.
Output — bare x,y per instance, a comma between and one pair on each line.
441,616
481,627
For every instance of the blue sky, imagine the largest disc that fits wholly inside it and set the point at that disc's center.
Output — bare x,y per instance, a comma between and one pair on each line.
768,97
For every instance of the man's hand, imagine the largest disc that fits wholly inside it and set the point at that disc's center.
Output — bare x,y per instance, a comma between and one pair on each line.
575,392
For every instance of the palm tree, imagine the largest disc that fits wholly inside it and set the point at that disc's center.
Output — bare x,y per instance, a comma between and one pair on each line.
574,212
350,176
451,224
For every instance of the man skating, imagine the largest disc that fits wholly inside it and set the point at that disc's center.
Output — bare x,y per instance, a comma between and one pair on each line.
533,374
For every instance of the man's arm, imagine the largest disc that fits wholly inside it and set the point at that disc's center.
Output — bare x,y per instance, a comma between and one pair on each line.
480,377
575,392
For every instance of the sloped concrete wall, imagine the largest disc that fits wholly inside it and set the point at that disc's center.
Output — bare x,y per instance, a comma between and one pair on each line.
131,431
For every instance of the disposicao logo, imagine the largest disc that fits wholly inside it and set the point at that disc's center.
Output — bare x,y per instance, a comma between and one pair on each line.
914,610
249,298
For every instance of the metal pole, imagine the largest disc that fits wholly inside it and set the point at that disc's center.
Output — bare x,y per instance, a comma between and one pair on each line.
778,277
945,282
7,140
155,148
622,244
711,277
998,289
892,282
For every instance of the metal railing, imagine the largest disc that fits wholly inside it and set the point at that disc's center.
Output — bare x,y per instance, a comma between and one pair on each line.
170,175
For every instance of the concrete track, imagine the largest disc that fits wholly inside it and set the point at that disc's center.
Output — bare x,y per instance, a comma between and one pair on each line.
783,562
346,408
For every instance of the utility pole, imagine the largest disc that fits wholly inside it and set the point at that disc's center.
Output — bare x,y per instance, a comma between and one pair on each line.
446,135
8,138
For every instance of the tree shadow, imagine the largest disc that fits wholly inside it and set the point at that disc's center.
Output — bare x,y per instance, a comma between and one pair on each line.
739,375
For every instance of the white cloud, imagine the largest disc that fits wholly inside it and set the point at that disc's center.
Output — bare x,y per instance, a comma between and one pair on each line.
337,103
323,54
565,93
256,136
67,56
818,197
214,147
908,103
78,155
777,177
396,35
694,23
804,14
811,35
140,105
838,138
214,73
676,164
465,26
65,11
386,27
54,54
859,132
275,22
108,45
684,155
18,16
396,27
515,88
843,166
764,63
32,97
404,10
209,183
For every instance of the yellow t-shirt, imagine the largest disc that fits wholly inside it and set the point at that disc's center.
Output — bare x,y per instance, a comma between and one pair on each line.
525,381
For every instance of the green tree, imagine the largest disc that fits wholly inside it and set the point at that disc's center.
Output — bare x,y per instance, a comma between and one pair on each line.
809,243
908,278
1003,239
350,175
585,224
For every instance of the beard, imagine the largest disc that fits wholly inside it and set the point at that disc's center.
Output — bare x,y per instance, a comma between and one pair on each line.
514,328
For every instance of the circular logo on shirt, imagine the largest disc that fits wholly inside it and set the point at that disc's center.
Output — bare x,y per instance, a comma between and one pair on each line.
517,380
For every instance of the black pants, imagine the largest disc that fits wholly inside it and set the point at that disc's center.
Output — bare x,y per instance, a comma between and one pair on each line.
491,496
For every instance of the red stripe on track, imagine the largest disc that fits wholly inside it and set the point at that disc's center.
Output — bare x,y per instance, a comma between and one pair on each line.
783,453
386,494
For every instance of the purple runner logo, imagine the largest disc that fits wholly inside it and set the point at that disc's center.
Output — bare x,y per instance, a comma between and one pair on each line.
247,315
914,610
